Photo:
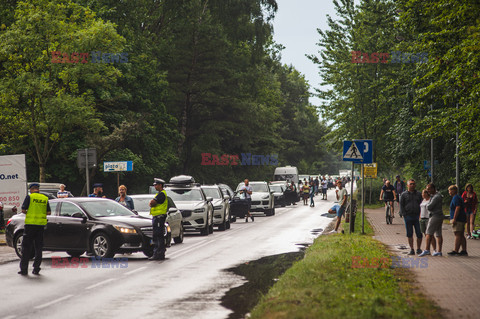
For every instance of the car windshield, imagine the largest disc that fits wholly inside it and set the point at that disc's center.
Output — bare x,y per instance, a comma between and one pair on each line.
212,192
276,188
105,208
256,187
142,204
185,195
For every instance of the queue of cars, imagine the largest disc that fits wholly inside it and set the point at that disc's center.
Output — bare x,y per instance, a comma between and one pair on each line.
102,227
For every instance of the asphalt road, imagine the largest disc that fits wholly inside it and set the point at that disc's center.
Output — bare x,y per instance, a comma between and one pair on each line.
189,283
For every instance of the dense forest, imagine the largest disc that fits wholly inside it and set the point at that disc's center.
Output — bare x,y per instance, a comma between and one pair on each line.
160,83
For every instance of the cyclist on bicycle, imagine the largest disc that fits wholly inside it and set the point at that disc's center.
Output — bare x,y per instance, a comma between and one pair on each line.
389,196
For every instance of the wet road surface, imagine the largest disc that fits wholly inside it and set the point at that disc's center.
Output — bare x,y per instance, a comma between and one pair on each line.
193,281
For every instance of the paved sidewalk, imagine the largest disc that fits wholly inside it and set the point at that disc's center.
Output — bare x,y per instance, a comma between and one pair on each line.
452,282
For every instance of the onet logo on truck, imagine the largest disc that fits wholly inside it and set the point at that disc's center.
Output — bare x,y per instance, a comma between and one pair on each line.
8,176
233,160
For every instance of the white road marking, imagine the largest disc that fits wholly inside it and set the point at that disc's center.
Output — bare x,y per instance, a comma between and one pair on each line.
99,284
134,271
53,302
9,317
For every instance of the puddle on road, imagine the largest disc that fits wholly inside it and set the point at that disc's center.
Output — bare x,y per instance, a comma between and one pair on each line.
260,274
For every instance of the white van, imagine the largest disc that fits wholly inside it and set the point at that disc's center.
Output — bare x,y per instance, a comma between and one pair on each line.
287,173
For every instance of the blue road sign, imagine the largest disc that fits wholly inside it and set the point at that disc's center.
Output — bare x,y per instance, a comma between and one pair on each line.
353,151
367,151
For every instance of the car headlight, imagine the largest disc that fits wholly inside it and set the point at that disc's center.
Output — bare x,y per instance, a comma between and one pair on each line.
125,230
266,197
217,207
199,210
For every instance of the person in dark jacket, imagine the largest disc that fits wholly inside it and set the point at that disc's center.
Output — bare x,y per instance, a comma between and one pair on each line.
410,211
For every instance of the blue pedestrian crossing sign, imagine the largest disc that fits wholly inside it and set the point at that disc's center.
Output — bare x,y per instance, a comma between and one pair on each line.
353,151
358,151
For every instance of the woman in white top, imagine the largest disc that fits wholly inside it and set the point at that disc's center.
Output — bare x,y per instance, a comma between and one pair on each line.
425,215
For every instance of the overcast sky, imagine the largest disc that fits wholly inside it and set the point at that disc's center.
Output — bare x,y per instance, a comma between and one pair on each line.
295,27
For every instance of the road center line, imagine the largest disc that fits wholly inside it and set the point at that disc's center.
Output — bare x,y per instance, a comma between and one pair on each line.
134,271
99,284
53,302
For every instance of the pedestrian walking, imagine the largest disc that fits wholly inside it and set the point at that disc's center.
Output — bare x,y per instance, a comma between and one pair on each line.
342,196
471,202
123,199
312,193
158,210
247,191
36,208
435,222
458,219
410,211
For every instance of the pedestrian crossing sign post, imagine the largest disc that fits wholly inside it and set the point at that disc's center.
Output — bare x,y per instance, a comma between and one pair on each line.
353,151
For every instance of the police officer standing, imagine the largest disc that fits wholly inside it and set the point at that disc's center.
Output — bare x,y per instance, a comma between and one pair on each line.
158,210
36,208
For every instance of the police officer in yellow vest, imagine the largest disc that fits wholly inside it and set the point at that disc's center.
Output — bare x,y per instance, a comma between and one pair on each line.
36,208
158,210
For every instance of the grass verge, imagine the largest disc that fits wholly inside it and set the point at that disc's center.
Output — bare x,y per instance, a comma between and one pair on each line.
325,285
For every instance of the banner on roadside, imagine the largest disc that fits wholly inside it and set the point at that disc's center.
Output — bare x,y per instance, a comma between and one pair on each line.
13,179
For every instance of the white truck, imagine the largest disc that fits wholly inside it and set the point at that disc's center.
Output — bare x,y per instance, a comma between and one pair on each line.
287,173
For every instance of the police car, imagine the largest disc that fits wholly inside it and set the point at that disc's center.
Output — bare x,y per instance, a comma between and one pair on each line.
195,206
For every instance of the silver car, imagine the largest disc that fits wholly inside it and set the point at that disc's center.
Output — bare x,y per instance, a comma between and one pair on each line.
221,206
262,198
196,208
174,217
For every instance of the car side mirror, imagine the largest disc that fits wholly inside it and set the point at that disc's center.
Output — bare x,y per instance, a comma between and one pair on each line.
271,192
227,197
78,215
209,199
172,210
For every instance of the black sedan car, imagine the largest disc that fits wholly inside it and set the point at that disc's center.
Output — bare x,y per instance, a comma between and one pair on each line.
279,194
100,226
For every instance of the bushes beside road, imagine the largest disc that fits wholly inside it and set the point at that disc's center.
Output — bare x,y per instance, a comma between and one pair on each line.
324,284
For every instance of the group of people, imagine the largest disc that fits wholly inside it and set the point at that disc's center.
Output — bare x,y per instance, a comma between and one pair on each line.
311,188
422,212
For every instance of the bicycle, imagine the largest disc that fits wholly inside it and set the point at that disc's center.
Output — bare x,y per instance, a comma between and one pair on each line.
388,212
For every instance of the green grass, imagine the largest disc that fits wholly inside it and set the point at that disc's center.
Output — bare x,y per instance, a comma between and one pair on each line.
324,284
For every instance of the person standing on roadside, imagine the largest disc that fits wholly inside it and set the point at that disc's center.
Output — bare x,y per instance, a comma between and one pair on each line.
458,219
324,188
399,186
158,210
410,211
342,197
435,222
317,184
471,202
306,192
36,208
62,193
123,199
97,191
247,190
424,214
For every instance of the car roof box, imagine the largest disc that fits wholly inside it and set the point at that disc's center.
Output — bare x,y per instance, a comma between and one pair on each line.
182,179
